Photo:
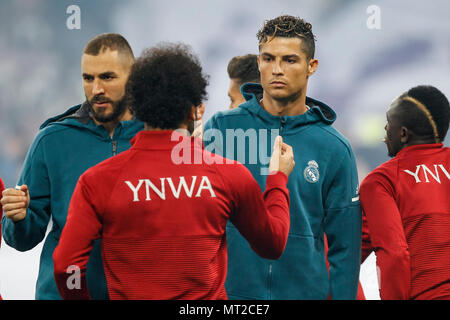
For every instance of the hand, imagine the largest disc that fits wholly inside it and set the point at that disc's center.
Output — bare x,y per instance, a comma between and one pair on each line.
282,157
15,202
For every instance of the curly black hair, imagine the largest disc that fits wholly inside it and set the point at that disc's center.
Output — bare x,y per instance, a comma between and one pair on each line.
164,83
244,69
289,27
426,111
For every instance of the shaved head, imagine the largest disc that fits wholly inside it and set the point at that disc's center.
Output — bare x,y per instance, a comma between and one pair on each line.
112,42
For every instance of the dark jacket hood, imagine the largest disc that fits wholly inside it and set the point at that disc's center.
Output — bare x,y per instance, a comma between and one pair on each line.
79,112
79,116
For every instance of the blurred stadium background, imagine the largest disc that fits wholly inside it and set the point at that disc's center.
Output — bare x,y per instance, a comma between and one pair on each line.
361,70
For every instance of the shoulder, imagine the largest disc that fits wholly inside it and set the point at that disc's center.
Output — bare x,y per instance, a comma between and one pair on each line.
108,169
230,170
51,129
218,124
335,140
132,127
104,176
384,174
218,162
385,169
226,115
71,112
46,135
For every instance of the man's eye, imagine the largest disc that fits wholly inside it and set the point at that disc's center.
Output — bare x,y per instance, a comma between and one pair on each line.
87,78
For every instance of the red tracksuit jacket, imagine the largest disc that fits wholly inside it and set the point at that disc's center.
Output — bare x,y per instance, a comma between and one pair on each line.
162,224
406,203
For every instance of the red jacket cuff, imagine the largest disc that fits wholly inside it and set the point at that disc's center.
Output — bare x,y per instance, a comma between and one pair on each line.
276,179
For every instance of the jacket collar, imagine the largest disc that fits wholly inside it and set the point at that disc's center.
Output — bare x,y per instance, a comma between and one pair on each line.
164,140
429,147
318,112
79,116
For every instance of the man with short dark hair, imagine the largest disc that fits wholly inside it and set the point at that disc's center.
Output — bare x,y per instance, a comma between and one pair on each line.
323,186
406,200
241,69
166,240
65,147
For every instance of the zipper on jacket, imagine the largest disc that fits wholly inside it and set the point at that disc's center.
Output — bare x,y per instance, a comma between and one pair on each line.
283,122
114,147
269,283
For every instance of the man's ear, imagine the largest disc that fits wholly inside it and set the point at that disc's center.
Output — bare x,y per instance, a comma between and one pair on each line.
405,135
312,66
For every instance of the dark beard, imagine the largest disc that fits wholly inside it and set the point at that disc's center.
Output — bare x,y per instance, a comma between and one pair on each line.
118,107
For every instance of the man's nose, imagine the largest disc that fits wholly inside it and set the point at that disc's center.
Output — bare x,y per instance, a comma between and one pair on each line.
276,68
97,88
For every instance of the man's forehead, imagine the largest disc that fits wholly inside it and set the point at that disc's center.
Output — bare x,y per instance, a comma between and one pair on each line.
105,61
282,46
394,104
393,108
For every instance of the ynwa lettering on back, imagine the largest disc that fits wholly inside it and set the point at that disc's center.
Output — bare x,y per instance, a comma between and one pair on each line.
196,188
422,175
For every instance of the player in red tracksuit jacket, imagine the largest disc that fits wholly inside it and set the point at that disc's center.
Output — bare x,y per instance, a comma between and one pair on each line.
161,208
406,201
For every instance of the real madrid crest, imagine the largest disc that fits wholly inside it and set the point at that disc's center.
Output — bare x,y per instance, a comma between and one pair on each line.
311,172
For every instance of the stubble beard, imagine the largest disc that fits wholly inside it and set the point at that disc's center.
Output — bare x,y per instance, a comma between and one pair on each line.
287,98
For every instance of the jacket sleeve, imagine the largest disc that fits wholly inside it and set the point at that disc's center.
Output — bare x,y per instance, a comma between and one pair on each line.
342,226
27,233
71,256
366,244
262,219
387,237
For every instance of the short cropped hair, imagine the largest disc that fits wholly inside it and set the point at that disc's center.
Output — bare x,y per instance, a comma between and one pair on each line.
244,69
426,111
105,41
289,27
164,83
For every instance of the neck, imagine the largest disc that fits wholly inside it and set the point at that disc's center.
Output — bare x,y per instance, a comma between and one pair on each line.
418,141
111,125
293,106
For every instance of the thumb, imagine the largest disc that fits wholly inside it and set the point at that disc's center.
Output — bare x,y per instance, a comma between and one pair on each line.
24,188
277,144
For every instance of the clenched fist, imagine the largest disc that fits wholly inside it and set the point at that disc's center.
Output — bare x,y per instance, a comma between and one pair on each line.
15,202
282,157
